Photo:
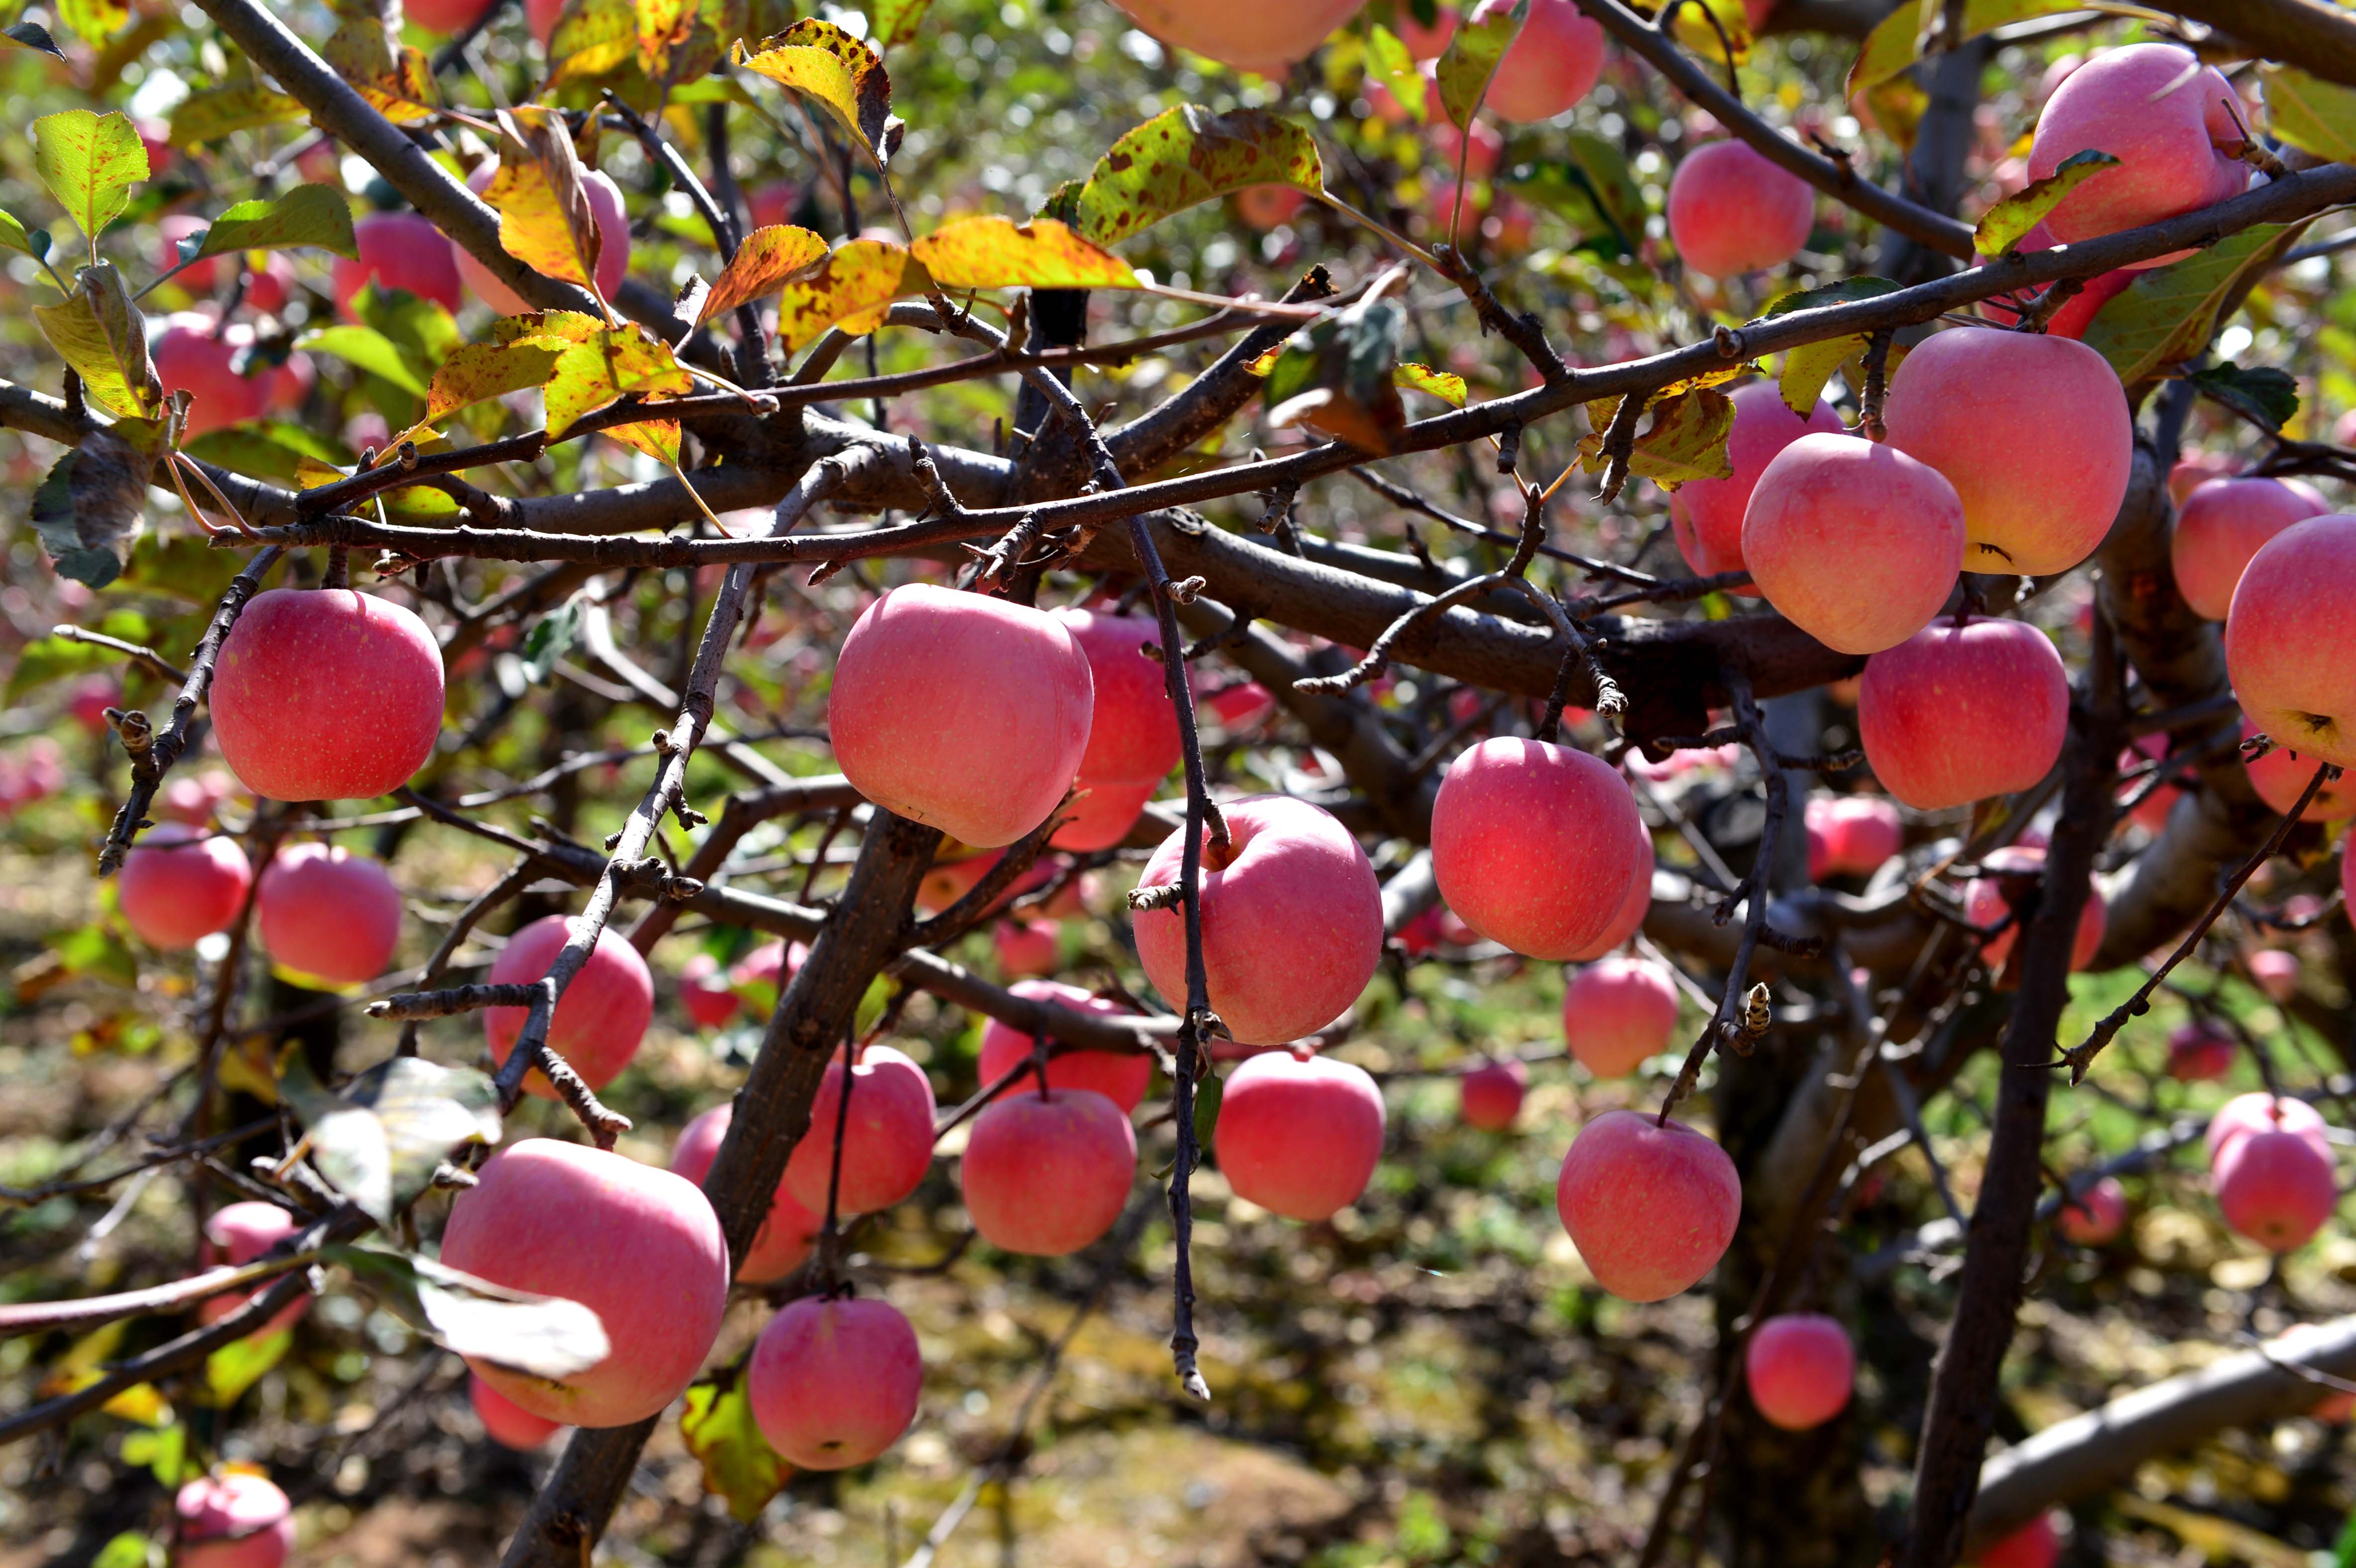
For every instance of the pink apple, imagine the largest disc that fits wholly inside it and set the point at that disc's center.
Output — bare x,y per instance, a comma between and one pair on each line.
506,1422
93,695
2200,1052
1266,207
599,1020
2095,1217
1959,713
1489,1096
833,1383
962,712
2281,776
1047,1173
2196,469
190,358
1733,210
2073,316
1291,880
1425,43
1239,707
2276,971
2164,115
1133,730
1530,844
1618,1012
706,994
329,913
2296,681
446,15
234,1519
239,1234
397,250
2259,1112
1101,815
1800,1368
786,1235
2036,1544
1120,1076
2275,1189
2221,524
1857,544
613,233
1261,39
1860,832
1480,156
637,1246
178,885
1634,908
326,694
1707,514
1552,64
1988,902
288,387
2033,432
887,1143
1651,1206
1026,947
1298,1134
541,18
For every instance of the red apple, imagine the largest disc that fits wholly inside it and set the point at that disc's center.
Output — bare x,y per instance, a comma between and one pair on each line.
1707,515
2275,1188
833,1383
506,1422
1120,1076
887,1145
2036,1544
1733,210
190,358
1651,1206
1239,707
1634,908
1425,43
1800,1368
196,277
329,913
2095,1217
1026,947
326,694
397,250
1489,1096
1959,713
706,994
1046,1174
786,1235
234,1519
2276,971
1298,1134
1856,544
446,15
1988,902
2164,115
2221,524
239,1234
1618,1012
178,885
599,1020
2200,1052
1553,63
1530,844
2281,776
2259,1112
2294,675
1101,815
1264,39
1860,832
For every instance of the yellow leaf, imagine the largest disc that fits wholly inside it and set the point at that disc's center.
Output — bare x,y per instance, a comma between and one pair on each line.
393,77
607,367
477,372
141,1403
996,252
662,24
98,331
658,439
545,222
851,289
761,266
820,61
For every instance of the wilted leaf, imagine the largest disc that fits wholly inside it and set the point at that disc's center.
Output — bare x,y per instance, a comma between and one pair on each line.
738,1463
2310,112
477,372
545,220
1684,439
761,266
1472,60
90,509
1387,58
32,36
996,252
2002,227
851,289
218,112
1449,389
369,349
378,1139
1336,377
2169,313
240,1364
94,21
2267,395
539,1336
393,77
896,21
819,60
314,215
89,162
1185,156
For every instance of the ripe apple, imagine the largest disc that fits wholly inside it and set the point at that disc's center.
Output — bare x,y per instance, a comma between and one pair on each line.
1530,844
2291,675
178,885
1988,902
2164,115
1120,1076
2276,970
1707,515
1960,712
2281,776
613,234
1651,1206
887,1145
506,1422
2221,524
1489,1096
237,1234
833,1383
196,277
1856,544
1046,1174
2095,1216
2036,1544
541,18
1101,815
234,1519
1133,730
1425,43
639,1247
2334,1408
2275,1188
599,1020
1263,39
326,694
1298,1134
2033,432
1241,706
397,250
444,16
1634,908
706,994
2260,1112
786,1235
1026,947
1618,1012
1553,63
1800,1368
1291,880
1860,832
190,358
1732,211
327,912
2200,1052
962,712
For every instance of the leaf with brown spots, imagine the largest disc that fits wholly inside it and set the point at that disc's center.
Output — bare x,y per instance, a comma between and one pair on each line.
393,77
820,61
98,331
1185,156
477,372
603,368
851,289
545,220
1686,440
996,252
762,264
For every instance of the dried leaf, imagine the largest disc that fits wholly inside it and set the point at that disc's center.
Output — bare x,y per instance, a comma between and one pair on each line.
1807,368
88,510
240,1364
89,162
218,112
539,1336
820,61
593,38
1472,60
660,26
1185,156
851,289
738,1463
996,252
98,331
2003,226
761,266
378,1140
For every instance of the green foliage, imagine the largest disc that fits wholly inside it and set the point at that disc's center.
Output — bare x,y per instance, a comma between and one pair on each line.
89,162
2168,313
308,215
1188,156
739,1465
1472,57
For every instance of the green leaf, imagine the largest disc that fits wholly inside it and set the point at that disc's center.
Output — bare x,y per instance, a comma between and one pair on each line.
272,451
996,252
98,952
1449,389
539,1336
13,237
130,1549
315,215
238,1365
1336,377
1185,156
378,1140
421,328
32,36
1472,57
90,509
1209,1095
2168,313
1389,60
2310,112
46,661
1895,43
1685,440
819,60
898,22
738,1463
98,331
2002,227
551,636
89,162
94,21
221,111
2267,395
369,349
1593,190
